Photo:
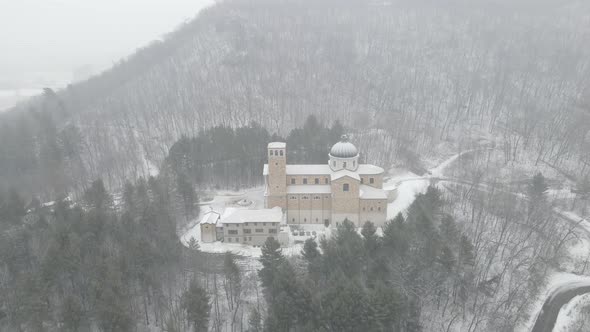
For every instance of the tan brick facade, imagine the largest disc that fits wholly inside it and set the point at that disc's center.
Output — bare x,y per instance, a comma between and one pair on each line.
276,183
307,193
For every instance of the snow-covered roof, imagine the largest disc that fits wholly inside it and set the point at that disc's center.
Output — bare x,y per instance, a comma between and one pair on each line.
324,169
309,189
344,149
344,172
277,145
368,192
263,215
210,217
368,169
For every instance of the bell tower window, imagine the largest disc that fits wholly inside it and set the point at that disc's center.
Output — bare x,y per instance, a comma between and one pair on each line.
345,187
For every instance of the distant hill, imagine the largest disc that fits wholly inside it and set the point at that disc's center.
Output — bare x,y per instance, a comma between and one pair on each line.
419,72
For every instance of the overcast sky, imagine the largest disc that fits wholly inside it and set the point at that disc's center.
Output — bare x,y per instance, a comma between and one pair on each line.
62,35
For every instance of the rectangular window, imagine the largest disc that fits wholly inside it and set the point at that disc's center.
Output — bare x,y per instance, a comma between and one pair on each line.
334,163
232,232
344,164
362,180
326,180
345,187
317,181
272,231
263,224
259,230
316,197
371,180
249,238
229,239
304,181
281,152
293,181
247,231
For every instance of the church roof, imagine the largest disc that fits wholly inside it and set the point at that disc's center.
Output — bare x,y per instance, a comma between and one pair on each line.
368,192
324,169
277,145
240,216
210,217
344,172
344,149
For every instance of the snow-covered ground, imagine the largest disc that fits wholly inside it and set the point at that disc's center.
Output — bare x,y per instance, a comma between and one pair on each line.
559,282
569,318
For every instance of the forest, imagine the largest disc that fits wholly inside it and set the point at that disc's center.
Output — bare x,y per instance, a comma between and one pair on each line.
98,181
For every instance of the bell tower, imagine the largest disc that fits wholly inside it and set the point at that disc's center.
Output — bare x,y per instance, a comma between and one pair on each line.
276,184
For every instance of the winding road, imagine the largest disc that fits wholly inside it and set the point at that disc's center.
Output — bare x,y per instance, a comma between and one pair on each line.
561,294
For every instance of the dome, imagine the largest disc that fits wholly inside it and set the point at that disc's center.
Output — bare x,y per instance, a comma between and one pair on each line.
344,149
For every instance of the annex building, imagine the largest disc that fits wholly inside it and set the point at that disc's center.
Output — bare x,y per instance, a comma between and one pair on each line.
326,193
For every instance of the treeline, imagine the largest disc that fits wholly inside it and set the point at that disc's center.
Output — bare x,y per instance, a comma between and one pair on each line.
39,156
366,282
233,158
365,63
95,264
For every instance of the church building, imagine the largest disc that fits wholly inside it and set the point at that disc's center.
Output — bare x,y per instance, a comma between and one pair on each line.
326,193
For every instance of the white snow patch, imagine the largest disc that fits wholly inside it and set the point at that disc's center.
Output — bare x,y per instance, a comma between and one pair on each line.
558,282
570,313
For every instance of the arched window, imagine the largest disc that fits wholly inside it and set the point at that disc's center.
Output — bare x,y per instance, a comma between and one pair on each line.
345,187
344,164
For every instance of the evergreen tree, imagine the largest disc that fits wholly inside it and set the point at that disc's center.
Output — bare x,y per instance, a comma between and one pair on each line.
194,245
386,308
395,235
310,250
271,258
369,232
537,194
345,305
195,302
97,196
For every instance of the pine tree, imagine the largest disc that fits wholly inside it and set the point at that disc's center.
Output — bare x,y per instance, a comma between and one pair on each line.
396,236
194,245
345,305
537,193
271,258
310,250
195,302
369,233
386,308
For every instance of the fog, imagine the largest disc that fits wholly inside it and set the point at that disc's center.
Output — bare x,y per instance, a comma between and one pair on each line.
51,42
